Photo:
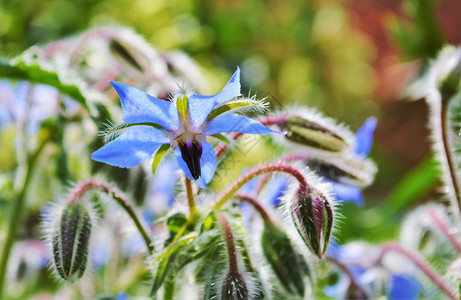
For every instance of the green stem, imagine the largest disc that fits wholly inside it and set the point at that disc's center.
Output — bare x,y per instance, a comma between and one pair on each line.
120,198
190,197
303,186
16,214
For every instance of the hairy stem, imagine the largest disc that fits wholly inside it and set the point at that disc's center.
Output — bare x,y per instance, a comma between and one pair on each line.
303,186
443,226
448,155
230,244
264,215
422,265
120,198
16,213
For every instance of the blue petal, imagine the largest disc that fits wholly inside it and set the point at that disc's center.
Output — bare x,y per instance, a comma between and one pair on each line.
238,123
364,137
347,193
403,287
276,189
201,106
132,147
140,107
208,163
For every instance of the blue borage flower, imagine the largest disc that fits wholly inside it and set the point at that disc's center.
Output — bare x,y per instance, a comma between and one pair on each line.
183,123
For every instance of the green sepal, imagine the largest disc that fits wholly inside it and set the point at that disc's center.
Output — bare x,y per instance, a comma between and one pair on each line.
222,138
327,224
158,156
181,105
237,104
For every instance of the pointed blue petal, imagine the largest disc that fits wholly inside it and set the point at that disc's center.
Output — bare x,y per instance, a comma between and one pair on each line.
201,106
347,193
140,107
237,123
132,147
208,163
364,137
404,287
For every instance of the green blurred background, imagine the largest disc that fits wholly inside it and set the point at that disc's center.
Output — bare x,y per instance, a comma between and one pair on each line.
350,59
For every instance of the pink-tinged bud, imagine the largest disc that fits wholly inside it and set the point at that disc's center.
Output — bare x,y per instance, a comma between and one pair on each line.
312,213
234,287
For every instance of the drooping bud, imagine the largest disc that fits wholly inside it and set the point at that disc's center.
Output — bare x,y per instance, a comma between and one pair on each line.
191,152
346,169
288,265
315,131
312,214
70,241
234,287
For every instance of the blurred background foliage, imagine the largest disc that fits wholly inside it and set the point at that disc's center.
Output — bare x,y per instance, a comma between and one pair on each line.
350,59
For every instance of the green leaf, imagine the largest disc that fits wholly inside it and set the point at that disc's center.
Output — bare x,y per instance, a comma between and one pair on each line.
242,104
415,184
159,154
28,66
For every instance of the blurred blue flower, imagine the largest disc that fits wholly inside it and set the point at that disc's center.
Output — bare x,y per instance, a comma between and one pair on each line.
361,261
402,286
184,123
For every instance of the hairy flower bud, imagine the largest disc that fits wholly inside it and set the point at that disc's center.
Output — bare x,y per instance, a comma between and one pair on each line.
234,287
346,169
312,214
70,241
288,265
315,131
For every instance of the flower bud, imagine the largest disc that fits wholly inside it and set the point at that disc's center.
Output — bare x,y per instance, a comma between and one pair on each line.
346,169
234,287
312,214
287,264
315,131
70,241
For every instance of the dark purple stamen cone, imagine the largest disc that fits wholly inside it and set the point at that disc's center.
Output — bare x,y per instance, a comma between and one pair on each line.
191,152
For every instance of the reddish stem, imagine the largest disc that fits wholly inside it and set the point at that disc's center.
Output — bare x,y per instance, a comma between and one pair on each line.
443,226
119,197
269,168
229,238
255,203
422,265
